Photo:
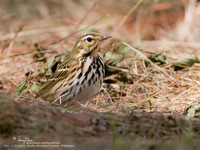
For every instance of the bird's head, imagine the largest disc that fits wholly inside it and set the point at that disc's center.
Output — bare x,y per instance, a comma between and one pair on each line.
88,44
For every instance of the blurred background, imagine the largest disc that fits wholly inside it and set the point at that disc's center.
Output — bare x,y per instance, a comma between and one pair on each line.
152,66
151,20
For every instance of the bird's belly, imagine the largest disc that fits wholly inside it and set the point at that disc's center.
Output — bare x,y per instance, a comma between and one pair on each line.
86,83
88,92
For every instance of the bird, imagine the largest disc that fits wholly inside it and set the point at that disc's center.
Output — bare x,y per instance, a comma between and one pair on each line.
80,76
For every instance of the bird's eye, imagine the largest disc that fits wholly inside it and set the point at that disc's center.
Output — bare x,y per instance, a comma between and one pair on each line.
89,39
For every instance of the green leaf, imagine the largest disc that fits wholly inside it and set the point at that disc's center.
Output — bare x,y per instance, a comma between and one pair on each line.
158,58
192,110
35,88
161,58
112,58
36,46
50,62
21,86
186,62
150,104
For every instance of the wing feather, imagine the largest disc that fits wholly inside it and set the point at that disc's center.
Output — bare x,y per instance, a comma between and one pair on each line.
62,72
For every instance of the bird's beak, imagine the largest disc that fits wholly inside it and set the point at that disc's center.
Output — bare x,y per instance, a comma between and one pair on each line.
105,38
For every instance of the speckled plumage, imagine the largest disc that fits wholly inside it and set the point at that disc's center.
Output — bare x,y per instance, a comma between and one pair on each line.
81,74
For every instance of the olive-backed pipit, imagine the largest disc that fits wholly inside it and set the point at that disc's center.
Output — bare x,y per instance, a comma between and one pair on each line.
80,75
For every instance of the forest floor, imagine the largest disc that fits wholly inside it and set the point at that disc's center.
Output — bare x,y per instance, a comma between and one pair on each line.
151,91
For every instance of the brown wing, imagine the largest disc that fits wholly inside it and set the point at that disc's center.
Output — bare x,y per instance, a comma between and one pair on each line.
61,73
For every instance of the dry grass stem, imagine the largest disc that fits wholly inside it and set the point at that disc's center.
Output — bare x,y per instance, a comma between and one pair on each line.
128,14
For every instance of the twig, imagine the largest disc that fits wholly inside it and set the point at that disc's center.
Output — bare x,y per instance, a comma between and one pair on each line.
31,82
49,69
118,69
14,38
147,59
107,94
86,15
33,32
80,22
80,29
24,53
173,43
196,85
128,14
